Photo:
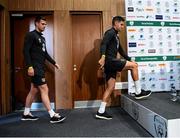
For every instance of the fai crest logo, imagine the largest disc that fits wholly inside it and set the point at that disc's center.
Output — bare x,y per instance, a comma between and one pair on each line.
43,80
160,126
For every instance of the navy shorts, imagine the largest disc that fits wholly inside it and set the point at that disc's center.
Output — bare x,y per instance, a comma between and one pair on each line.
113,66
38,80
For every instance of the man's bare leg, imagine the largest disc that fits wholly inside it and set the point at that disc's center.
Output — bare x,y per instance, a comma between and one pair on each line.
133,67
30,98
55,118
110,87
44,90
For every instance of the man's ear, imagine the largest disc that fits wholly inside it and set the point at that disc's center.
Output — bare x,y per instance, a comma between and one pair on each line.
115,22
36,23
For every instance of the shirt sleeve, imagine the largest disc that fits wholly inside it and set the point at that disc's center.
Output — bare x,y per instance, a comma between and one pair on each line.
122,53
28,42
106,39
49,58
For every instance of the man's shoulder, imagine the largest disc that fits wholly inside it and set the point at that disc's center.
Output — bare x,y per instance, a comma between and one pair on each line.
31,33
110,32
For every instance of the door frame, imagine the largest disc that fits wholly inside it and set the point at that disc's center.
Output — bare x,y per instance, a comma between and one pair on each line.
12,15
1,34
5,95
5,101
100,13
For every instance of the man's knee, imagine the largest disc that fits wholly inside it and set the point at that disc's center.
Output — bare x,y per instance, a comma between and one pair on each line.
34,90
130,65
111,85
43,88
111,88
135,66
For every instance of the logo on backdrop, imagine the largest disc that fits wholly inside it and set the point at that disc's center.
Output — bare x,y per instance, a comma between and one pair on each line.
160,126
135,111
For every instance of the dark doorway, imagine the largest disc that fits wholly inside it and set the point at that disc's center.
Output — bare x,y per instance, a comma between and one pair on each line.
1,8
20,25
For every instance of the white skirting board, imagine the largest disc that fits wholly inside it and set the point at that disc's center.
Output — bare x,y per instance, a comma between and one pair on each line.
82,104
40,106
87,104
96,103
121,85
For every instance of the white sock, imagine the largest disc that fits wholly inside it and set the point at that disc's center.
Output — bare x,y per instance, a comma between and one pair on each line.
102,107
137,87
26,111
51,113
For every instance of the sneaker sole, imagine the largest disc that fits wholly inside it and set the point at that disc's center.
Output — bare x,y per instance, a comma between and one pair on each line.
29,119
53,122
138,98
101,117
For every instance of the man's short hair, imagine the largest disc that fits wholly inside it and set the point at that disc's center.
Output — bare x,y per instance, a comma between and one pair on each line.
38,19
117,18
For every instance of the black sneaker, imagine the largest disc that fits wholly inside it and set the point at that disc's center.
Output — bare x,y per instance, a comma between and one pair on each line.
103,116
132,94
29,117
57,119
143,94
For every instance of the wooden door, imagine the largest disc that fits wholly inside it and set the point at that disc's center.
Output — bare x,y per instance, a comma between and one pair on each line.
21,82
86,34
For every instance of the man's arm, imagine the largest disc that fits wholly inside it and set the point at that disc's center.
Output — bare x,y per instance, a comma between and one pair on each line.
28,42
106,40
49,58
122,53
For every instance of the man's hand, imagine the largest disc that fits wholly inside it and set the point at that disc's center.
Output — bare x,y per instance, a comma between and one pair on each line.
102,61
30,71
57,66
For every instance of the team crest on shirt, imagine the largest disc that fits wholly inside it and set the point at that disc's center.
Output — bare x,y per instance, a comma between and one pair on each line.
39,40
43,47
43,79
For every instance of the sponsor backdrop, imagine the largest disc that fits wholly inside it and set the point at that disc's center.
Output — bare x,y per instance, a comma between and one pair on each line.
153,35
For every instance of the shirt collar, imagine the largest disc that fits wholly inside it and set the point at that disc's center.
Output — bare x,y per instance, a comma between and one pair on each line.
115,30
38,32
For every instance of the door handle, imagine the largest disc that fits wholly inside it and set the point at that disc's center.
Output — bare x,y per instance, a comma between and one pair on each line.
74,67
17,69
